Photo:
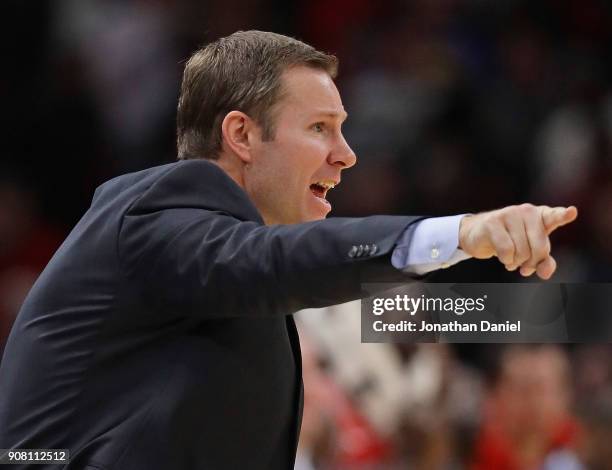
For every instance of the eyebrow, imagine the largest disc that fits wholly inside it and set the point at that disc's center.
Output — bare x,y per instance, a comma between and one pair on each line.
333,114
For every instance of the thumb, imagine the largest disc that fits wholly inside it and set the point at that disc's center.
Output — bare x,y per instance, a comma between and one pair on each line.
555,217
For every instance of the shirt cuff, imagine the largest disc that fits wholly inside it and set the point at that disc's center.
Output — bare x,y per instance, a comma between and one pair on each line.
429,245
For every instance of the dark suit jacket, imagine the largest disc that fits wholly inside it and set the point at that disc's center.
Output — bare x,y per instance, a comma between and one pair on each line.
160,334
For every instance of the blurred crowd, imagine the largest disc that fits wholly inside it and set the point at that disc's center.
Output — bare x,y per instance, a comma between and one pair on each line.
455,106
381,406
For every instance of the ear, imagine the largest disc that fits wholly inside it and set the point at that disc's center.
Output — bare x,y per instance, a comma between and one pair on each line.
237,131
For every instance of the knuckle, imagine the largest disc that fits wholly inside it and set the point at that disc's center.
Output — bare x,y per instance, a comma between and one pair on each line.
494,217
528,209
522,257
540,247
523,211
493,226
530,262
510,210
535,258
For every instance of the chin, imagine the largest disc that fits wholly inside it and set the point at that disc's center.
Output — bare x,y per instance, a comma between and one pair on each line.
314,216
307,213
316,213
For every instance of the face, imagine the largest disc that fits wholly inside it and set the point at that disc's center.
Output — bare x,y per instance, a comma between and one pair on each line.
533,391
288,177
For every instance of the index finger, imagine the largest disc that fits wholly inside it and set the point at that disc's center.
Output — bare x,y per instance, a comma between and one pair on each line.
555,217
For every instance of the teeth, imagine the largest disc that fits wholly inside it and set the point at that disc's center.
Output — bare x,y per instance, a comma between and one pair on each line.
326,184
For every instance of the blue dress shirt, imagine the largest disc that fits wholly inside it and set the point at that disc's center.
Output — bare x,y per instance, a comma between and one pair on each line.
429,245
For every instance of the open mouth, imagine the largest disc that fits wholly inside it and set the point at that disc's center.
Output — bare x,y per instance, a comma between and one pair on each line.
320,188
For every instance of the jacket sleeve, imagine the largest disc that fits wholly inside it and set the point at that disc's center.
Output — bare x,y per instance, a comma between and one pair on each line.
193,261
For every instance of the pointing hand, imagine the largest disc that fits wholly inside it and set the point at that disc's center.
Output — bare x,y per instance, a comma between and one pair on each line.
517,235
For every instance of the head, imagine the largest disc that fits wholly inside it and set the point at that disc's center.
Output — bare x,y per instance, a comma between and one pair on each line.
265,108
532,389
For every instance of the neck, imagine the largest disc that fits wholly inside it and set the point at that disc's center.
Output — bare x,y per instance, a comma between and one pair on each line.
231,170
235,170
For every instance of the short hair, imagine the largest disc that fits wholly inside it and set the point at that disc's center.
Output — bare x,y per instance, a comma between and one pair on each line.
239,72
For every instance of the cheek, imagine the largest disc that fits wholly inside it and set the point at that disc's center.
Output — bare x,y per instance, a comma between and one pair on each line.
277,181
292,160
305,147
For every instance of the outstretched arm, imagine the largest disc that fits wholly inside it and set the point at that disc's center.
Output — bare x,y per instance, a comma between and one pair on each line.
209,264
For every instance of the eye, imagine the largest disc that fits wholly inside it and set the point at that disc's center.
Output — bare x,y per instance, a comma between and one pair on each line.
318,127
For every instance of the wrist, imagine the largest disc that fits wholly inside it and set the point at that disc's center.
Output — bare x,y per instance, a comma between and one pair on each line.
464,229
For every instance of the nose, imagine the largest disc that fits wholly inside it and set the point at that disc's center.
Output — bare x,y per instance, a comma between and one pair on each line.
342,156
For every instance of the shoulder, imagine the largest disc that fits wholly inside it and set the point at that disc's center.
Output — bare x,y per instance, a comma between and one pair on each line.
195,184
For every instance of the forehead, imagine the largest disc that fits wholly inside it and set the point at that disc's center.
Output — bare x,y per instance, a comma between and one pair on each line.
308,91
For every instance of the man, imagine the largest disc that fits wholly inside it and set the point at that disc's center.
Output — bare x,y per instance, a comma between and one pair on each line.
160,335
527,420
